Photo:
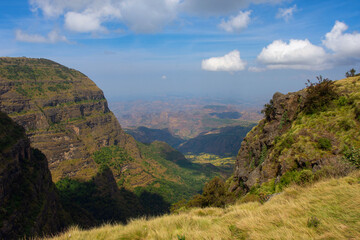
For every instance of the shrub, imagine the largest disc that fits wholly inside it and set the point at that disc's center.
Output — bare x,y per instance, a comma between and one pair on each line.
263,154
319,94
269,110
345,124
357,112
324,144
214,195
313,222
343,101
287,142
305,176
181,237
352,155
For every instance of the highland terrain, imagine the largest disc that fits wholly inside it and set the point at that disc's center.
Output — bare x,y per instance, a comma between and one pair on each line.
295,177
66,161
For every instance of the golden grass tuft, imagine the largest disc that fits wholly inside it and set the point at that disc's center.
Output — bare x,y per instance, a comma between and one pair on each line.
333,202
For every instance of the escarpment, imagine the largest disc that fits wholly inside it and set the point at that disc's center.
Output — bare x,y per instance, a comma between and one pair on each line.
29,202
311,129
64,113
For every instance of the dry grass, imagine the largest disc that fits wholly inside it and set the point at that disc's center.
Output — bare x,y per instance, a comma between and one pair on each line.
333,202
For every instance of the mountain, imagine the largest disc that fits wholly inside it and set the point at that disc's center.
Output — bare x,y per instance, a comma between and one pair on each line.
185,118
297,176
66,116
222,142
64,113
148,135
315,128
29,201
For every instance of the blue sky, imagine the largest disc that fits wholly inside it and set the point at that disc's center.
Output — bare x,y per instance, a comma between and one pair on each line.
246,49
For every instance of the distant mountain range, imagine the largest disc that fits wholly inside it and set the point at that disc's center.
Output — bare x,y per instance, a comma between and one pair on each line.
184,118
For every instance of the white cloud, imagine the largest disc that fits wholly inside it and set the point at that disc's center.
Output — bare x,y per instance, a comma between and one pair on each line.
344,45
286,13
217,7
141,16
148,16
297,54
89,15
79,22
52,37
236,23
230,62
164,77
256,69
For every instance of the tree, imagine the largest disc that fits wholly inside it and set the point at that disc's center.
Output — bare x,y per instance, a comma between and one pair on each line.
319,94
350,73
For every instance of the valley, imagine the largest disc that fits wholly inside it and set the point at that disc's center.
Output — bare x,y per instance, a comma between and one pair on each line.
62,146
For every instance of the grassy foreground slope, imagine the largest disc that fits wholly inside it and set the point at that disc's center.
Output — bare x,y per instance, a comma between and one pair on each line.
325,210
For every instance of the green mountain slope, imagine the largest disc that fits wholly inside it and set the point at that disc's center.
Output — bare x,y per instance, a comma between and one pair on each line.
222,142
148,135
315,129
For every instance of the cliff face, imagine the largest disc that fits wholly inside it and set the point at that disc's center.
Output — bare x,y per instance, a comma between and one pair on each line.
64,113
290,138
29,203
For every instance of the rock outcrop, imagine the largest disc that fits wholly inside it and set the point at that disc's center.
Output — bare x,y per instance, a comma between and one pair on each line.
290,139
29,202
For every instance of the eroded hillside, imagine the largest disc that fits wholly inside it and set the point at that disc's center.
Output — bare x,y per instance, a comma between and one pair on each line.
64,113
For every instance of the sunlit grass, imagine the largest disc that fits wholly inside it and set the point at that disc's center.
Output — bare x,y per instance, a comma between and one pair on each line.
333,202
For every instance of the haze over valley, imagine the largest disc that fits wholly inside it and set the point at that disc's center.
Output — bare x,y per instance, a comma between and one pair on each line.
179,119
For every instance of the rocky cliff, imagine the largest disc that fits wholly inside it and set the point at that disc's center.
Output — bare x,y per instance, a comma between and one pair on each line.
314,128
64,113
29,203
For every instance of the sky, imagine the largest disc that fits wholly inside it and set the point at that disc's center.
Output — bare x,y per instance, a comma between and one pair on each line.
241,49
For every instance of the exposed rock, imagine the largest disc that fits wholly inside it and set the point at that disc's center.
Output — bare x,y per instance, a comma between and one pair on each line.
64,113
290,138
251,167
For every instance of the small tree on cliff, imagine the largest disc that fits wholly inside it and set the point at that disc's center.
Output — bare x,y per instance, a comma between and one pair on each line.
319,94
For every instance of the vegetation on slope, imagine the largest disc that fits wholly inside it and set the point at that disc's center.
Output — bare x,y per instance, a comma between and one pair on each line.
325,210
310,129
182,178
222,142
149,135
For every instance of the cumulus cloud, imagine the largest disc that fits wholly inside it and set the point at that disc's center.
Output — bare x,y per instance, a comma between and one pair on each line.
286,13
52,37
148,16
82,22
89,15
343,44
297,54
236,23
256,69
216,7
231,62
